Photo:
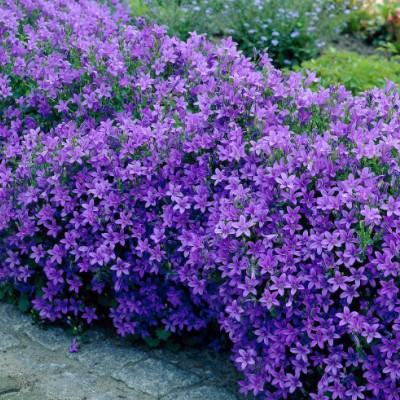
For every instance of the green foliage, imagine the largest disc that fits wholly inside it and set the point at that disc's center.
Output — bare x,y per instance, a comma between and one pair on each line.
162,334
364,20
8,294
388,8
152,342
378,23
23,302
138,7
388,13
161,337
292,31
358,19
357,73
183,16
5,292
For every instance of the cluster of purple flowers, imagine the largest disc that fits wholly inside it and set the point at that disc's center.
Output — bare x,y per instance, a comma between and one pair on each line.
174,183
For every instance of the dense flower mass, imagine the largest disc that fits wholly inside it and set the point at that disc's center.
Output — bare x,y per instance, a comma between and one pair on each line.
174,183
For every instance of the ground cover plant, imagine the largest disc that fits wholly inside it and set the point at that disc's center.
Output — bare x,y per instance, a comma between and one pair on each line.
356,72
168,185
292,30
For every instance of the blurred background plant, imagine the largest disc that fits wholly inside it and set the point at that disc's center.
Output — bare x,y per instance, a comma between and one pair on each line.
389,12
297,35
378,23
291,30
356,72
364,19
184,16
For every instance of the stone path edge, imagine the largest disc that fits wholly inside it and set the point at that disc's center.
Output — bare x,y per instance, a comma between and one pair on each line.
36,364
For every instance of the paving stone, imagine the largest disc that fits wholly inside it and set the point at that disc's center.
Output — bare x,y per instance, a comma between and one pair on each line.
202,393
67,386
46,368
53,339
24,396
104,358
40,361
155,377
7,341
95,334
9,385
120,395
12,318
28,361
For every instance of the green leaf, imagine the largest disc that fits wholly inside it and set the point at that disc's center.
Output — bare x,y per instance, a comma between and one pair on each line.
162,334
152,342
23,303
171,346
104,301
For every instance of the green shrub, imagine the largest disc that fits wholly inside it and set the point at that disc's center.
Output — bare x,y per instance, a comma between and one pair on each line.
292,31
378,23
357,73
364,21
184,16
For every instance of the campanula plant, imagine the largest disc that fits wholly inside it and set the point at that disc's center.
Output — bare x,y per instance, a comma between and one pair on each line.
166,185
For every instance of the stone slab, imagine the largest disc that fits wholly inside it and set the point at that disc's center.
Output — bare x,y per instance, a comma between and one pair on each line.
7,341
13,319
53,339
9,385
24,396
119,395
28,361
42,368
155,377
104,358
202,393
67,386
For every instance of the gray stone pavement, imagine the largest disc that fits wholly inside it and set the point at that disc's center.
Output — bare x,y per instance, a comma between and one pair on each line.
35,364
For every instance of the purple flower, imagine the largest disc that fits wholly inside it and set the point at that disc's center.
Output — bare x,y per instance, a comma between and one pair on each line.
355,392
74,348
121,268
177,185
242,226
371,215
90,314
339,281
245,358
